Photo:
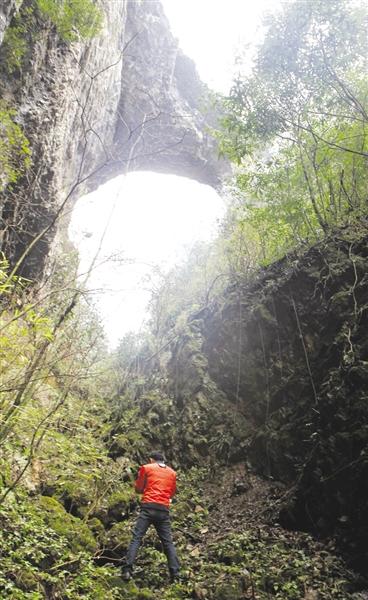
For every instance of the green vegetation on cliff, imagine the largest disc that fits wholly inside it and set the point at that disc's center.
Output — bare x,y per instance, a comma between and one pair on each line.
15,153
74,20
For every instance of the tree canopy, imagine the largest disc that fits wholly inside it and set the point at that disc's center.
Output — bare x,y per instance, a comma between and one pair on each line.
296,125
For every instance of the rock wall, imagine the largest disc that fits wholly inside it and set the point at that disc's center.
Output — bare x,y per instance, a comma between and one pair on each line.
274,374
65,113
6,10
126,100
160,126
209,427
290,349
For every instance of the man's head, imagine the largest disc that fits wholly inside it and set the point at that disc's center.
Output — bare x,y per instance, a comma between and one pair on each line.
156,456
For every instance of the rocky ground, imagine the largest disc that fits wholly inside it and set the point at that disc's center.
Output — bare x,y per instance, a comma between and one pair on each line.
62,546
232,547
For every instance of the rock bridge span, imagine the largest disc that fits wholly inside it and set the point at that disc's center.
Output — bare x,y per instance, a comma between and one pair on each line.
124,101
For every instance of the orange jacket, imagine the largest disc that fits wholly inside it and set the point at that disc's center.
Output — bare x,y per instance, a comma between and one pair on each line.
157,482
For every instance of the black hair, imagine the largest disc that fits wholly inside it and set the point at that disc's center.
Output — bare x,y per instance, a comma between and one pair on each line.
156,455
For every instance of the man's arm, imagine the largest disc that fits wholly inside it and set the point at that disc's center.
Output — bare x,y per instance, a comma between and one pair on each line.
141,481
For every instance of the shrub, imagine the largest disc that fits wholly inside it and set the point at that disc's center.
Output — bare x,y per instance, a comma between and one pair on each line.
15,153
15,42
73,19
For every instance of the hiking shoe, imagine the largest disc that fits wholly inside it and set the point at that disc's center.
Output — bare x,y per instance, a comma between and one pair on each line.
175,578
126,573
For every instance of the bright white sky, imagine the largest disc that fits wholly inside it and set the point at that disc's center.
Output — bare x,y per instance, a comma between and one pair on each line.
211,32
147,220
141,221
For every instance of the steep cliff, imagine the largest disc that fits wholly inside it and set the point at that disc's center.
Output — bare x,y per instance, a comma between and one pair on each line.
127,99
287,353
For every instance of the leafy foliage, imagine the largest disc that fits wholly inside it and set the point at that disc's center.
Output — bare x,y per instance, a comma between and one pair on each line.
276,569
296,126
37,558
73,19
53,430
15,152
15,43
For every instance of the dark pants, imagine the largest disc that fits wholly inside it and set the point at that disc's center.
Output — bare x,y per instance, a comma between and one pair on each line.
161,520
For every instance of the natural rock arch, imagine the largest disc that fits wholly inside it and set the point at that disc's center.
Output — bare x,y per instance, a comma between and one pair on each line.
128,100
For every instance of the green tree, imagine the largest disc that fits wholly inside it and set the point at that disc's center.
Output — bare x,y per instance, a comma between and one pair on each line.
73,19
296,125
15,44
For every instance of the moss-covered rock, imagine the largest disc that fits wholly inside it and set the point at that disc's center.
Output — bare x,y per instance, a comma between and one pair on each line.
26,579
73,529
71,494
229,591
116,507
119,503
117,539
96,527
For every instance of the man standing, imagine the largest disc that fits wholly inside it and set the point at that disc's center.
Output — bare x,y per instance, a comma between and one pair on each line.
157,482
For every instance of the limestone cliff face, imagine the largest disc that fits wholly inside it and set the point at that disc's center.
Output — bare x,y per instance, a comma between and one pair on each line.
126,100
161,127
6,10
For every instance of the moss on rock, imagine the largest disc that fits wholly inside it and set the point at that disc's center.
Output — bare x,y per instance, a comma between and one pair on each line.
26,579
96,527
118,538
73,529
229,591
118,503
